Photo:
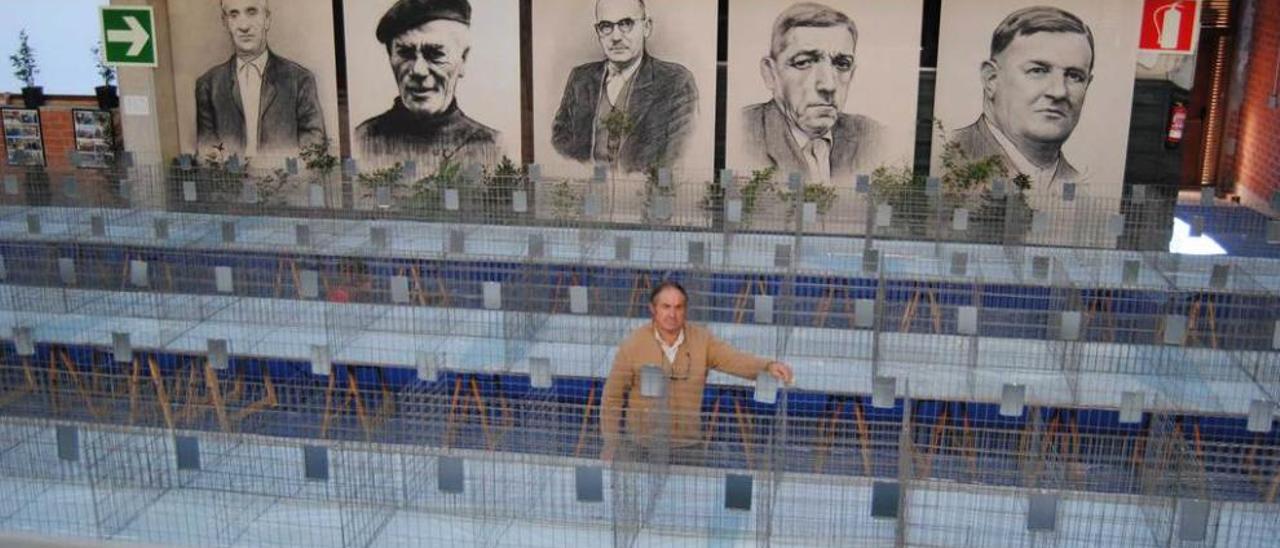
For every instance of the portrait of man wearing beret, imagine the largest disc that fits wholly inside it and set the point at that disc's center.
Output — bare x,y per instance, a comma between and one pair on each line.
427,44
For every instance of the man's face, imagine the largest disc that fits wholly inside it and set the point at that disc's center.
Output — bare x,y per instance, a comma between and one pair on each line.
668,309
427,62
810,77
1037,85
247,21
612,16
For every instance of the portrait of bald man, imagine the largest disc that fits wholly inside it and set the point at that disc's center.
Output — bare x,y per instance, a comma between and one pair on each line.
1034,85
257,102
630,110
809,70
427,44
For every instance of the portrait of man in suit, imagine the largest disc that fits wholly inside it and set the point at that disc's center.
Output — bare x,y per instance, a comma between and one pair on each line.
257,102
809,70
1034,85
631,110
427,44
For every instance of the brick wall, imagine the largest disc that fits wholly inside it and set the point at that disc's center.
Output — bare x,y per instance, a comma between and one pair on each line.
1258,151
44,187
57,127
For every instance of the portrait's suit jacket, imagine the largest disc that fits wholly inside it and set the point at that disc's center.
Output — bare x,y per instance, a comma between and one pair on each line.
289,113
663,106
977,142
855,141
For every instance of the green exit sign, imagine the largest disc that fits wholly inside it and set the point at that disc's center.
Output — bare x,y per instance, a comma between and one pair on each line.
129,36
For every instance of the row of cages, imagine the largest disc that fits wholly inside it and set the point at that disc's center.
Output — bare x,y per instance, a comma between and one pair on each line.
1235,312
892,204
1015,443
1033,481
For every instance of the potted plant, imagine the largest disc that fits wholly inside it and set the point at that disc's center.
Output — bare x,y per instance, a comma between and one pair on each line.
25,70
501,184
107,97
758,186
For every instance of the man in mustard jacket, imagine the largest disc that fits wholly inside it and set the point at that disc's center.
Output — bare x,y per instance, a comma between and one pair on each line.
685,353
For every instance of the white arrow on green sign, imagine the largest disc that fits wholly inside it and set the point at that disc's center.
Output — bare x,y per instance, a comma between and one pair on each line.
128,35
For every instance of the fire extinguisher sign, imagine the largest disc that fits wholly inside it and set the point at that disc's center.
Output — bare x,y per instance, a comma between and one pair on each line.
1170,26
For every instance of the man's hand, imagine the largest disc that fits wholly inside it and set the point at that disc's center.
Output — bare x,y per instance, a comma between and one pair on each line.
782,372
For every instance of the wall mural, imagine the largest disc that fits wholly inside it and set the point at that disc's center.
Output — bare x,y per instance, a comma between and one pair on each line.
254,79
624,83
433,80
829,94
1045,87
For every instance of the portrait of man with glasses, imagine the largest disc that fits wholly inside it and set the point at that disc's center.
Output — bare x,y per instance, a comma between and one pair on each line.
630,110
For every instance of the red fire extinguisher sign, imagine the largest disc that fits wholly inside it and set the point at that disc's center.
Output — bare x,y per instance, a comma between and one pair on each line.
1170,26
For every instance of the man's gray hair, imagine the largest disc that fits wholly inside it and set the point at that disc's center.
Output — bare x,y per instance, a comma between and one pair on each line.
643,9
807,14
1028,21
266,4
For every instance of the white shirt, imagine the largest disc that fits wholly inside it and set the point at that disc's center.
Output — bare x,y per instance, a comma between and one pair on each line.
816,152
669,351
1041,178
615,80
249,80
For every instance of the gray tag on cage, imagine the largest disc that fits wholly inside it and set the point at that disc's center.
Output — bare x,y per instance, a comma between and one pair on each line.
885,499
1206,197
451,475
379,237
1275,337
1193,520
321,362
809,213
33,223
68,443
1175,330
1068,192
578,299
733,210
726,179
427,366
67,271
492,295
763,309
382,195
766,388
249,193
540,372
11,185
69,187
884,392
400,289
589,483
520,201
302,235
126,159
138,274
187,452
1131,407
121,348
451,199
409,170
884,215
1042,512
1139,193
537,246
1219,275
233,164
1070,328
310,281
98,226
738,491
959,264
1039,222
622,248
697,253
932,186
189,191
1115,225
228,232
998,187
1013,397
661,209
1196,229
664,178
161,227
600,173
652,381
291,165
960,220
864,313
472,173
967,320
23,341
315,195
315,462
4,270
1132,271
862,183
457,241
591,205
1261,416
219,356
222,279
535,173
782,256
1273,232
1040,268
871,261
349,167
795,180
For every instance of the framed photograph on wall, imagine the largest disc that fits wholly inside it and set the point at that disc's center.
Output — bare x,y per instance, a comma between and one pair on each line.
93,137
23,140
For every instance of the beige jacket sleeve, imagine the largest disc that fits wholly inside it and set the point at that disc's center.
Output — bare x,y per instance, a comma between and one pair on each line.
616,387
733,361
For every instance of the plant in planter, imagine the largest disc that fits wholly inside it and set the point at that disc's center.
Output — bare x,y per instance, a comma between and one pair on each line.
904,191
274,189
822,196
566,203
652,193
319,162
389,178
25,69
501,183
107,97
